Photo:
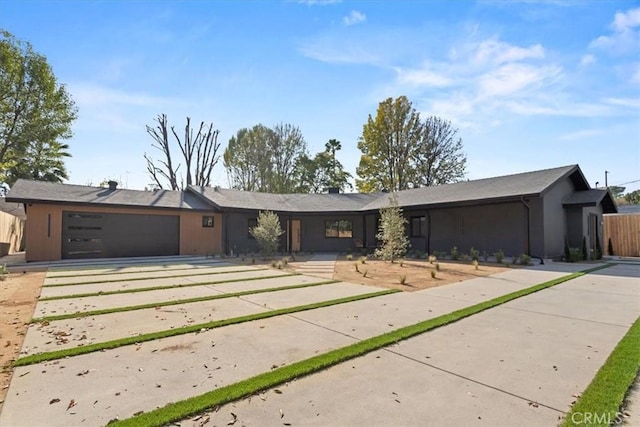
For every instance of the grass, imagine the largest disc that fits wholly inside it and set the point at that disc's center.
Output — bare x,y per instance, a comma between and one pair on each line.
90,348
174,302
154,269
180,410
169,276
156,288
603,398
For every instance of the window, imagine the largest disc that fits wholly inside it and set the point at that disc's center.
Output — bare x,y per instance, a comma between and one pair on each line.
207,221
338,229
252,222
418,226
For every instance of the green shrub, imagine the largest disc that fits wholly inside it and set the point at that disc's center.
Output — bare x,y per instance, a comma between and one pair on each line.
475,264
267,232
349,257
499,255
454,253
485,256
432,259
433,274
575,255
274,264
392,233
464,257
474,254
437,266
524,259
285,261
3,271
363,260
403,279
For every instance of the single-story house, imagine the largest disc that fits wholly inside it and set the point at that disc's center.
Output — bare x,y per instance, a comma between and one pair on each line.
532,212
12,220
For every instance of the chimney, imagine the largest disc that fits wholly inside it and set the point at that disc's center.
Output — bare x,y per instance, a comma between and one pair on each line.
334,190
112,185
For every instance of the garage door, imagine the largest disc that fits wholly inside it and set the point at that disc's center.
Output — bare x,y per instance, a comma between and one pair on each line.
107,235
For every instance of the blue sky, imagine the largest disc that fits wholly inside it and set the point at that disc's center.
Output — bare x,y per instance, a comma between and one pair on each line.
529,84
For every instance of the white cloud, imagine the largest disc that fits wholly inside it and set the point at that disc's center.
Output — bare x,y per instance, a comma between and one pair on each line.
635,76
355,17
633,103
94,95
422,77
581,134
497,52
625,37
319,2
513,78
587,60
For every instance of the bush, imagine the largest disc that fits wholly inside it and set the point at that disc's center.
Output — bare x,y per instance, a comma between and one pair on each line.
474,254
596,255
464,257
285,261
267,232
433,274
475,264
524,259
432,259
363,260
575,255
454,253
403,279
392,233
357,269
610,248
349,257
485,256
499,256
3,272
437,266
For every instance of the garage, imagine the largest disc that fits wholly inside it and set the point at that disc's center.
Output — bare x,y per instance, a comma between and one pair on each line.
110,235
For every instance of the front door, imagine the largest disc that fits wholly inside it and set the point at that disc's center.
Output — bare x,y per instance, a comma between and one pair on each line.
295,235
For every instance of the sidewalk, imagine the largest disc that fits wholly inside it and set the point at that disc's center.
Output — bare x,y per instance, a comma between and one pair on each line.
320,265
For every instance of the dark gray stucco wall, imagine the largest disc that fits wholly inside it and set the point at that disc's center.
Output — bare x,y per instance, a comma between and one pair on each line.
536,221
486,227
575,226
312,237
237,233
555,218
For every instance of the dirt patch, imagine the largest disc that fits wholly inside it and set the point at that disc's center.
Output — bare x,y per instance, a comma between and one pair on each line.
281,262
416,273
18,296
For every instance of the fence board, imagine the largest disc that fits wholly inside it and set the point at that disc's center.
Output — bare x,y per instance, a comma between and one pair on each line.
624,232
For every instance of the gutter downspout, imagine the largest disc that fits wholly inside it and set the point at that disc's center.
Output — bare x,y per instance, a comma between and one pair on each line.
428,232
528,208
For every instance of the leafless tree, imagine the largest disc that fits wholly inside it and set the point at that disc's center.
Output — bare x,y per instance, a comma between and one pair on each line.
199,151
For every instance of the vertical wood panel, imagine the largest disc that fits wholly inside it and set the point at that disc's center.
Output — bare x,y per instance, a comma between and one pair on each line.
196,239
11,231
624,232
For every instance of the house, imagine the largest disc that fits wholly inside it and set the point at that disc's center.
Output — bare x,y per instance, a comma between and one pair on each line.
12,220
532,212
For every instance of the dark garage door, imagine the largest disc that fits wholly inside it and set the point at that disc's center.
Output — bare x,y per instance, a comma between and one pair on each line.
107,235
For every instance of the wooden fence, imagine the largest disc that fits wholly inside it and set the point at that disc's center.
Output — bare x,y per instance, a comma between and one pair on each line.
624,232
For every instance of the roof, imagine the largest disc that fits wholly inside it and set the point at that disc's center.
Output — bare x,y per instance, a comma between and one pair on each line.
629,209
502,187
592,197
26,191
15,209
236,199
499,188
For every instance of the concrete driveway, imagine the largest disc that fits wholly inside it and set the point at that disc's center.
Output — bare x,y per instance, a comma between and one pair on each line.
519,363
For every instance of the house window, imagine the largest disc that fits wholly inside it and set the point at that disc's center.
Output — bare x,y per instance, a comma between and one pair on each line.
207,221
253,222
338,229
418,226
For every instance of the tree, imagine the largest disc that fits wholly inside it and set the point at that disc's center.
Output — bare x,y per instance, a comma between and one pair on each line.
633,198
323,171
200,154
267,232
392,232
248,167
439,158
400,151
41,161
36,112
616,191
265,160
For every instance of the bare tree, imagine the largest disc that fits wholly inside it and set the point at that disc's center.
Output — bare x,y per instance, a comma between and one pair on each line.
201,148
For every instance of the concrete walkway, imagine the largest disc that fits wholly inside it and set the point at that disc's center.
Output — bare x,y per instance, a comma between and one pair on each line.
320,265
519,363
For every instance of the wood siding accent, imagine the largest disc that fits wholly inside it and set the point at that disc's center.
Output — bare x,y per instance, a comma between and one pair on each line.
196,239
42,245
624,232
11,233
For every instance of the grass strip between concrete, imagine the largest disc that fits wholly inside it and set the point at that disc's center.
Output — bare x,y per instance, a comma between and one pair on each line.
153,269
90,348
600,403
175,302
157,288
168,276
185,408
